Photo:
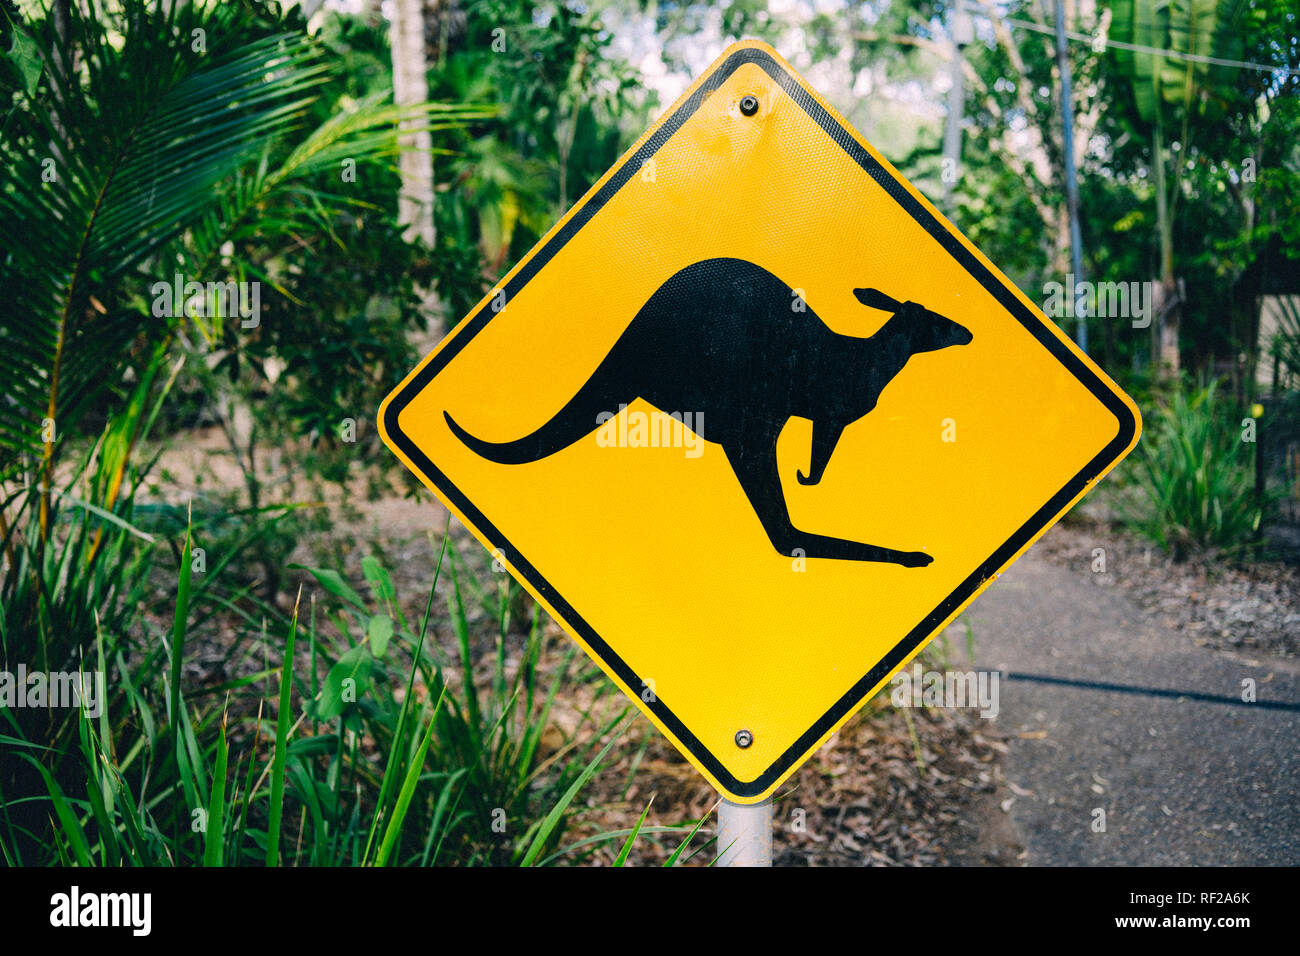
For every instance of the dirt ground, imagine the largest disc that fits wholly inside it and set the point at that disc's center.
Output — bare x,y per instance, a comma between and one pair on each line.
862,800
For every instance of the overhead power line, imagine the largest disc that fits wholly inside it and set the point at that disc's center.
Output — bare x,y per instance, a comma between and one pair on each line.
1139,48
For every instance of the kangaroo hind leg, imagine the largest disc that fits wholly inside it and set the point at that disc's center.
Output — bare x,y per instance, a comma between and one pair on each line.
756,468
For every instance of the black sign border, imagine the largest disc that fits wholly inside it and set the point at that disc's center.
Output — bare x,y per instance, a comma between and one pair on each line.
540,256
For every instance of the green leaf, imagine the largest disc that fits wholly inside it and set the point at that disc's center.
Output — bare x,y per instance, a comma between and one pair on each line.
144,134
390,767
175,714
379,580
107,516
379,632
355,665
26,56
333,582
314,746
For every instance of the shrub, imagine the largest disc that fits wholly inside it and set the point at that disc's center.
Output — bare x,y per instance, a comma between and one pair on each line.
1192,477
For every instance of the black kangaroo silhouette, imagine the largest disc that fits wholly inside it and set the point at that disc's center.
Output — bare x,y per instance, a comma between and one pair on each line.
725,338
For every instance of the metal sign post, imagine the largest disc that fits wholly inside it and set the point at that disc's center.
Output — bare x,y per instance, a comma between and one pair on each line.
745,833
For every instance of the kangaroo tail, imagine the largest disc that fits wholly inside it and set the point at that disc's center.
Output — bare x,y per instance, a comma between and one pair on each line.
575,420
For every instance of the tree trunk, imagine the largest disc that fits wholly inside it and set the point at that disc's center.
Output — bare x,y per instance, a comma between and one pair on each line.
415,162
1061,259
1168,304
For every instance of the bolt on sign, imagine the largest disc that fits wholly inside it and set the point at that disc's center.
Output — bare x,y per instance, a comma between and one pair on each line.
754,422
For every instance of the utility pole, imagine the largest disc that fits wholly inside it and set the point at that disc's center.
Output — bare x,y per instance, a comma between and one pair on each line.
1071,179
962,31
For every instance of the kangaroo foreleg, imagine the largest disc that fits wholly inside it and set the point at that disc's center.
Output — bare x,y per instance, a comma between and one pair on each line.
826,436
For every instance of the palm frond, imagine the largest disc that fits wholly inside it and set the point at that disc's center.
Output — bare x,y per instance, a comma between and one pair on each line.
119,152
366,132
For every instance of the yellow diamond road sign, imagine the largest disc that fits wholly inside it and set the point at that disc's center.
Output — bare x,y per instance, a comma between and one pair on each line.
754,421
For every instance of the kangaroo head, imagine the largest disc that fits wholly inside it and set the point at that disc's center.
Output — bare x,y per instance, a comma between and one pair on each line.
919,328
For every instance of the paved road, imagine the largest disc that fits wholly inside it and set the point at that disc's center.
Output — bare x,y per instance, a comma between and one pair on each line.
1183,781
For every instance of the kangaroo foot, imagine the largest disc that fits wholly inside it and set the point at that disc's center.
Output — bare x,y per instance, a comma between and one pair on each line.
914,559
820,546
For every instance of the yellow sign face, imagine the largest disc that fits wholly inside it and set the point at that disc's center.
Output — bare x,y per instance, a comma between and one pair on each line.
753,422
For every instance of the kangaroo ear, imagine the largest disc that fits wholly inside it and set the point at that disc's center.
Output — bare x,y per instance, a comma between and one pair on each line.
876,299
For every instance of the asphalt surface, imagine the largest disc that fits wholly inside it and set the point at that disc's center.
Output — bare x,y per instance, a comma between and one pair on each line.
1187,773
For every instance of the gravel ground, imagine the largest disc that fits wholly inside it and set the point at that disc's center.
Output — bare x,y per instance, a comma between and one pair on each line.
1214,602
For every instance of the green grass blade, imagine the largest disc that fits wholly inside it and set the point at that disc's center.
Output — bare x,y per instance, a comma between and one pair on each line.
213,844
390,767
281,745
408,790
620,834
440,812
552,819
672,860
72,831
179,623
110,853
627,847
